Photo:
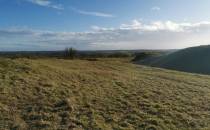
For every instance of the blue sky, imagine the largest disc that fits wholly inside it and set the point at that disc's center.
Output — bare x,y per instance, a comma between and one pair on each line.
103,24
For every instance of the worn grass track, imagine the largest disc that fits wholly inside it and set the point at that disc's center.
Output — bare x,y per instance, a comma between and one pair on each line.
100,95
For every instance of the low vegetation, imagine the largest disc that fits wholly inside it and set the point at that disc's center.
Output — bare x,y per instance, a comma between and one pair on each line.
68,53
102,94
144,55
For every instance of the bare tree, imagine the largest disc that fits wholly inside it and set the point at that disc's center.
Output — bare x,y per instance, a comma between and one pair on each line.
70,53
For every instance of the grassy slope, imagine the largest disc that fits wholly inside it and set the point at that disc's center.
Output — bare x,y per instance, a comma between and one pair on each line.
104,94
194,59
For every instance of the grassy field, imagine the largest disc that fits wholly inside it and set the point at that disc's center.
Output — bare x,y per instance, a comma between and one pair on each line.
106,94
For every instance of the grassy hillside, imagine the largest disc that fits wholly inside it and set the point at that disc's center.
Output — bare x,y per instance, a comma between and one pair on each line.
108,94
194,59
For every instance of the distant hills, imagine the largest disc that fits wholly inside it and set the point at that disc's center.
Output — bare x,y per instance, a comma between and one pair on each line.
194,60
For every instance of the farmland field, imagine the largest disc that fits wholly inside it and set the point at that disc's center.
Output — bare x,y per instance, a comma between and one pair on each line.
101,94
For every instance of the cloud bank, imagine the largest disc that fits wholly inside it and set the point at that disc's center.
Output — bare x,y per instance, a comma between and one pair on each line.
135,35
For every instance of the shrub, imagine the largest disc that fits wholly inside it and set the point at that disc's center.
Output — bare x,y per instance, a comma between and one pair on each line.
144,55
119,55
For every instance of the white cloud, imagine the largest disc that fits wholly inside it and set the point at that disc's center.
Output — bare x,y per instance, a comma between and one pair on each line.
134,25
166,26
136,35
155,8
93,13
46,3
97,28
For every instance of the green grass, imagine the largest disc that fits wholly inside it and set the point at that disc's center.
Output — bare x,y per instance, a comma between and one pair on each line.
106,94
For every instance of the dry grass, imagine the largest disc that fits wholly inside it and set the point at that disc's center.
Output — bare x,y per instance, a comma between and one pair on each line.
105,94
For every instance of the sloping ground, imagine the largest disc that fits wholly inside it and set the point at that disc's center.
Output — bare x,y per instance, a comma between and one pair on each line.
100,95
194,60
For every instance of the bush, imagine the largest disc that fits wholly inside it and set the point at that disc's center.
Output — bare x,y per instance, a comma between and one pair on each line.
119,55
144,55
104,54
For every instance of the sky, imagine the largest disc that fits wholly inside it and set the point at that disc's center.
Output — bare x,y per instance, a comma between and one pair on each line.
41,25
